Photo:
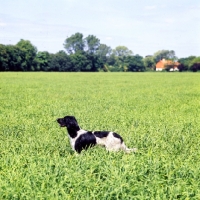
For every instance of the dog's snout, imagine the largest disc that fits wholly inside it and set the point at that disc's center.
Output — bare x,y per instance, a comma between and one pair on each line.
61,122
59,119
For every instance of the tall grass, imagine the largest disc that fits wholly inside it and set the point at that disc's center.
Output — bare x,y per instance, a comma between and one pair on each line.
159,113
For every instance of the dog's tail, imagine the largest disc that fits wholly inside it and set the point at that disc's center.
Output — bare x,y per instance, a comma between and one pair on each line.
128,150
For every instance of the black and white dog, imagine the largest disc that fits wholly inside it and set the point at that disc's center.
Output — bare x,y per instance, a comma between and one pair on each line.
81,139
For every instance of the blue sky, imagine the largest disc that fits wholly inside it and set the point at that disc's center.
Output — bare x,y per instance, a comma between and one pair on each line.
143,26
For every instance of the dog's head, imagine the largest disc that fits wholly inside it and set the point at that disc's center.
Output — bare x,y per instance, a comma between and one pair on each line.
69,122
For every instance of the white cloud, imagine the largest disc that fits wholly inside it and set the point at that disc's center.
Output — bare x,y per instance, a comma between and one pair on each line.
169,20
2,23
150,7
108,38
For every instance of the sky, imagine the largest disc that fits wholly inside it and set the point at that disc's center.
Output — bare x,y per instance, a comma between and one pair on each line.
143,26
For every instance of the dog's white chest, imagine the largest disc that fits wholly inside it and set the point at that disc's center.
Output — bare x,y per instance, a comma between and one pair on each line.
73,140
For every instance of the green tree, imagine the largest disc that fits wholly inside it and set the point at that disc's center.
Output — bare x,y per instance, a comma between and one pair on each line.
94,62
167,54
42,61
15,58
85,62
104,52
111,59
74,43
4,58
135,63
149,62
92,44
186,63
60,62
79,62
195,64
11,58
29,52
121,51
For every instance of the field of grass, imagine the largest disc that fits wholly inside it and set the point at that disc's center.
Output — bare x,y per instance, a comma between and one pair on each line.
158,113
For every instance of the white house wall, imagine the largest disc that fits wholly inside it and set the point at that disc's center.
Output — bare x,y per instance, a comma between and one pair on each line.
159,69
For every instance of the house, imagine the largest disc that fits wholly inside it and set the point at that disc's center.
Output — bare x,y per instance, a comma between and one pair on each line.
167,64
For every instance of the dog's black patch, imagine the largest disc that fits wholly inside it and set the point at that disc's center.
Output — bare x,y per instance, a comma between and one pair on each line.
85,141
118,136
101,134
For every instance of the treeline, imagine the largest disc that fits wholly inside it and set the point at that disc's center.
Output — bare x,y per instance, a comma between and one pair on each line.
86,55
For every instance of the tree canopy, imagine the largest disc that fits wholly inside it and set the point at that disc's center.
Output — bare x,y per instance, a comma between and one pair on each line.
122,51
92,43
85,54
74,43
167,54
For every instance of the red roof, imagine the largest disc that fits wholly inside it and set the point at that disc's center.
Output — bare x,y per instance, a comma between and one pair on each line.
161,64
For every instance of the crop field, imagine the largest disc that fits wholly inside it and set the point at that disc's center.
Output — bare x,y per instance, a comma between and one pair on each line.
158,113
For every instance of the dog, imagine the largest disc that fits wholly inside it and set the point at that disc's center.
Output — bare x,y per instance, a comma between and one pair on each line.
81,139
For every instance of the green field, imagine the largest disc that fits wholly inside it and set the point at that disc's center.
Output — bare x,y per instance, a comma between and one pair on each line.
158,113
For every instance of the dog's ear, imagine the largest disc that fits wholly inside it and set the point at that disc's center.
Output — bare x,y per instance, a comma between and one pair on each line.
74,118
70,122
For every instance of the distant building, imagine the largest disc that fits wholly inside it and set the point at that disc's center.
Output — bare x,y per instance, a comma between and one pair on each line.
167,64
